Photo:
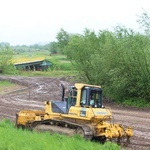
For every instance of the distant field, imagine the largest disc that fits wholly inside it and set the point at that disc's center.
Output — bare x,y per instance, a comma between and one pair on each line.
39,53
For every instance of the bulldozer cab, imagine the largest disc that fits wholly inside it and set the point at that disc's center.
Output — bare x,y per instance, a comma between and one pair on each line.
81,95
89,97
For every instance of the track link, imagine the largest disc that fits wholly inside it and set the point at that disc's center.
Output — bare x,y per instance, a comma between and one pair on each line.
61,127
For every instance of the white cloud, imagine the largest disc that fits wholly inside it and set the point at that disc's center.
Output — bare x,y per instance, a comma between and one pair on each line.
32,21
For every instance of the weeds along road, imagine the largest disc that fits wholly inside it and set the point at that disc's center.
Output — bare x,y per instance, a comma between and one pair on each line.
31,92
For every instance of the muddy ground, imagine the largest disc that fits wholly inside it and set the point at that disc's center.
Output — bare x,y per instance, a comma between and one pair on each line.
31,92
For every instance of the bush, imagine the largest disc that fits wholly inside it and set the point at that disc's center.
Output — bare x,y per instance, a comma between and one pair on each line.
6,65
118,61
135,102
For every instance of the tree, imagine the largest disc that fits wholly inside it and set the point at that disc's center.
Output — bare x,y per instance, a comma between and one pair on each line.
80,51
6,54
63,39
144,21
53,48
129,68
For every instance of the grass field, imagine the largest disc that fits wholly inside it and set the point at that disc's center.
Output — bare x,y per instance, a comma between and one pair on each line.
18,139
5,83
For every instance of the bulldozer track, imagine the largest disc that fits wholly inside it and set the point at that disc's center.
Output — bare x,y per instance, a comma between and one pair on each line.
63,127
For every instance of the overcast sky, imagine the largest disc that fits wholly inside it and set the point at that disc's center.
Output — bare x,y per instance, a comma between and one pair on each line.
38,21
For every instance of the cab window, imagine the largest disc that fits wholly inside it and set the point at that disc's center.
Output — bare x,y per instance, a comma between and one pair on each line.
83,98
72,98
95,98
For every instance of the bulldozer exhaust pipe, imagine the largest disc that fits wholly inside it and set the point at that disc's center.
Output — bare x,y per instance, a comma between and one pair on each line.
63,91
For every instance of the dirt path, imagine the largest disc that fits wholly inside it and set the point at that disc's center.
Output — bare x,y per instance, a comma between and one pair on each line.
31,92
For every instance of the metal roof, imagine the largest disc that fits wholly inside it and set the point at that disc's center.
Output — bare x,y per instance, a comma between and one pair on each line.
27,60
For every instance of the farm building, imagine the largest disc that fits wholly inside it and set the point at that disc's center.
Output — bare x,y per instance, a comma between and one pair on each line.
32,64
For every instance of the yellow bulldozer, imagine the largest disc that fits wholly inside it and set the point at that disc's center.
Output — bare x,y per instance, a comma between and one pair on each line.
80,113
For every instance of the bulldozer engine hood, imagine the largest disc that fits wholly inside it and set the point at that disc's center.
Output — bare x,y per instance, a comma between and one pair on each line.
101,112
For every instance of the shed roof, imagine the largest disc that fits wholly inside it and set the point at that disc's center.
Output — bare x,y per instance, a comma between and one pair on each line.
27,60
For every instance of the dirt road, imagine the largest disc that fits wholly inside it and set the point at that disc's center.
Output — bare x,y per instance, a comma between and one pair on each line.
31,92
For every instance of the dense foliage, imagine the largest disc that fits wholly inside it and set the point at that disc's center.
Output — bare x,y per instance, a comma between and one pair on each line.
13,139
119,61
63,39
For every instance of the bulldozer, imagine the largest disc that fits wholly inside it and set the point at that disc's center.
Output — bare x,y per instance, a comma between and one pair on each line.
82,113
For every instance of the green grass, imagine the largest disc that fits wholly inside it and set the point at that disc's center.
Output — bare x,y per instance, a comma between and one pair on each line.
136,102
17,139
60,62
53,73
5,83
